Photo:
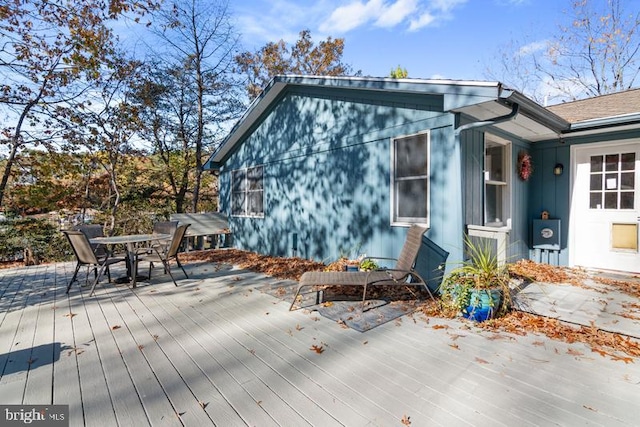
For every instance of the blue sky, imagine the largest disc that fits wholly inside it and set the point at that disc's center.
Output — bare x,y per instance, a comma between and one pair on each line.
452,39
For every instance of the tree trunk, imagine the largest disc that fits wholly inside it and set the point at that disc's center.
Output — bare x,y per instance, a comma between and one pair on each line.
7,170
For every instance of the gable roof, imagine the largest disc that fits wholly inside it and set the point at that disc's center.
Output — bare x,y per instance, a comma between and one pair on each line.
611,105
478,101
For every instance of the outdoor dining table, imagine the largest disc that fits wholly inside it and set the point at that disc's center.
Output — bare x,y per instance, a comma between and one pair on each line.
130,240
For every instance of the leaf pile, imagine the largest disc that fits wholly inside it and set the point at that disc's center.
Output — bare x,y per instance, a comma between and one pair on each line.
605,343
535,272
279,267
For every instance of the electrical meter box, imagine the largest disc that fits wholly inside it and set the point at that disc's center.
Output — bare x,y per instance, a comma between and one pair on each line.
546,234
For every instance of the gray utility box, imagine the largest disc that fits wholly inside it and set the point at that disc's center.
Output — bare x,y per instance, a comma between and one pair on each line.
546,234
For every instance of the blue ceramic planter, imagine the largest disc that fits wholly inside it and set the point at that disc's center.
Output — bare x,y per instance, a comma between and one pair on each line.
483,304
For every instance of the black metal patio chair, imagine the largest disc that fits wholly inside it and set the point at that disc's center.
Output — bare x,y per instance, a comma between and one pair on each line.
87,256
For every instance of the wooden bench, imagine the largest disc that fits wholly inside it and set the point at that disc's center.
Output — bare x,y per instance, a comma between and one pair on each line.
210,226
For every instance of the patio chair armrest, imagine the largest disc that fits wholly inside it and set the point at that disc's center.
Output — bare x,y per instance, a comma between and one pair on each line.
411,273
380,258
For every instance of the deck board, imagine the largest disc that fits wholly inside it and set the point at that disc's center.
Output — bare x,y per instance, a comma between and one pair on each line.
217,351
39,384
66,384
207,397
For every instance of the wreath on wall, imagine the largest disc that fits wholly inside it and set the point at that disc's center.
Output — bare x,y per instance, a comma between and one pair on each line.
525,166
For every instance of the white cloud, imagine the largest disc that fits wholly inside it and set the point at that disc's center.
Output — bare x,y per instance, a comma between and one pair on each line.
445,5
283,19
423,20
396,13
532,48
353,15
415,14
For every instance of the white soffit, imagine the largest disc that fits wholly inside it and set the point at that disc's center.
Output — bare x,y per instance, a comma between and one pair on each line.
520,126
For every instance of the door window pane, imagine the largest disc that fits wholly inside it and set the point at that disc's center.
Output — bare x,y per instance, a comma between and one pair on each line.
627,180
628,162
596,164
627,199
612,181
611,162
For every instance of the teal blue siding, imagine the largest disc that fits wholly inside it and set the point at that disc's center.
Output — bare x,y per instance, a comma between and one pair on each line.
327,168
473,189
473,176
553,193
519,238
549,192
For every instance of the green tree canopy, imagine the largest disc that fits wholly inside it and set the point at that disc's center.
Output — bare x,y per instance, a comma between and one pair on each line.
304,58
399,73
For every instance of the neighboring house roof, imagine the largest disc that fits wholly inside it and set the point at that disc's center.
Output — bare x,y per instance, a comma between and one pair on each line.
611,105
477,101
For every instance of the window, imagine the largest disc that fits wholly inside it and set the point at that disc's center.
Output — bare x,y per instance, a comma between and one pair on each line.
497,172
410,179
247,192
612,181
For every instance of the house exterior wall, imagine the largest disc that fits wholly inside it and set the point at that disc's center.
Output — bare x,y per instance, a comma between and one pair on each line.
472,143
326,157
553,193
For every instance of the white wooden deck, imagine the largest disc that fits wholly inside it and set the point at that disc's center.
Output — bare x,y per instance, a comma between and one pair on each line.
216,351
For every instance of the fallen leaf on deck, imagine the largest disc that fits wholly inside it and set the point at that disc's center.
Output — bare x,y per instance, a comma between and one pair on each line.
440,326
317,348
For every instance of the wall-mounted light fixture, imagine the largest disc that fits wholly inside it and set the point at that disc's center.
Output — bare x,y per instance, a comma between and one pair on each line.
558,169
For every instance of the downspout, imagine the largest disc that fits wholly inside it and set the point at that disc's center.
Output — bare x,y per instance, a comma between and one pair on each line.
499,235
515,108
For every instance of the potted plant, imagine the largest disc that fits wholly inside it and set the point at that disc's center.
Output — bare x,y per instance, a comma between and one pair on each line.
479,287
368,264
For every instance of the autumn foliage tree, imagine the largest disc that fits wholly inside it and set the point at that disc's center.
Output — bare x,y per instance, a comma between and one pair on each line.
52,53
304,57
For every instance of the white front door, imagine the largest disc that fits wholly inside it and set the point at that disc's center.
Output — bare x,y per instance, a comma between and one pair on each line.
605,206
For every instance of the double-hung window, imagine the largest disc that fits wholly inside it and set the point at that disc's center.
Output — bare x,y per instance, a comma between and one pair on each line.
497,192
247,192
410,179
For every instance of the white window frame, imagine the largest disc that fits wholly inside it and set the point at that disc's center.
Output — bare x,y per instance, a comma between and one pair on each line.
245,191
505,182
396,219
